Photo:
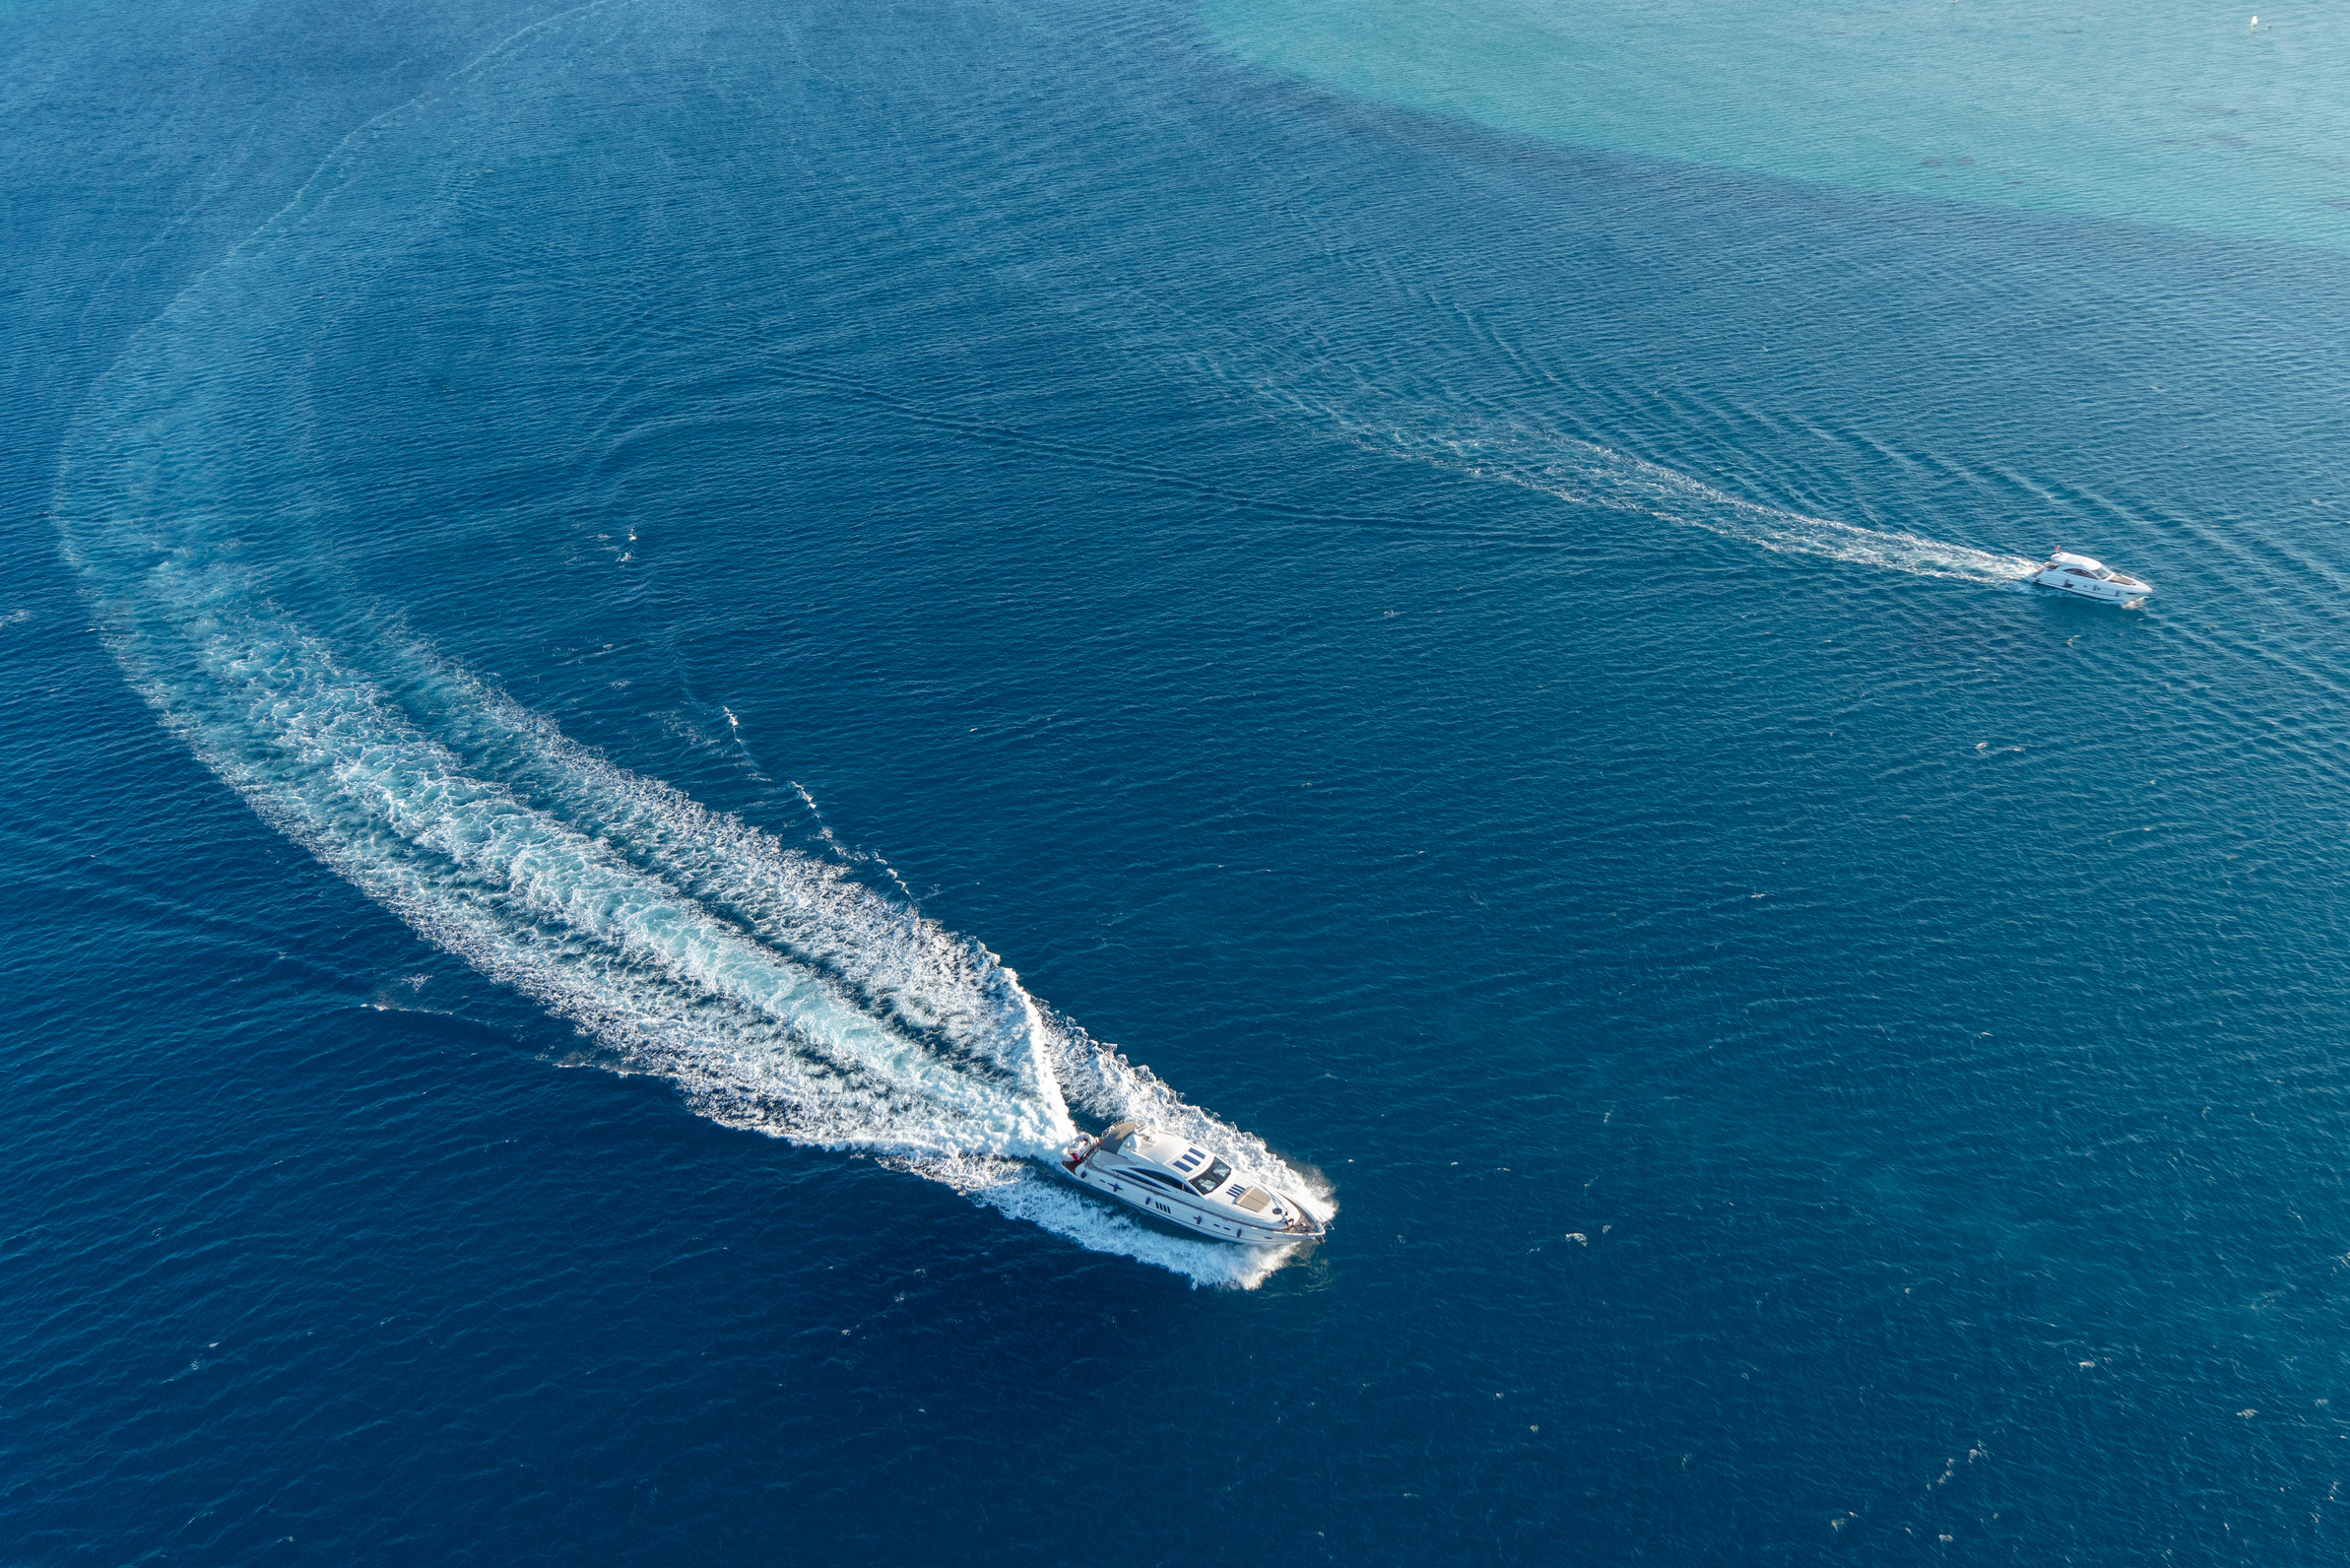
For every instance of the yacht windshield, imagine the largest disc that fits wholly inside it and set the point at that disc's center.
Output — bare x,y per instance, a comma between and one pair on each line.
1205,1181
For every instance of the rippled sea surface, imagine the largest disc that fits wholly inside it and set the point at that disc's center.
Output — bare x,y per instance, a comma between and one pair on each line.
648,646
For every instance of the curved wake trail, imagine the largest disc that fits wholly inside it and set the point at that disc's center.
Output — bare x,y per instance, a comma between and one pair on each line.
779,992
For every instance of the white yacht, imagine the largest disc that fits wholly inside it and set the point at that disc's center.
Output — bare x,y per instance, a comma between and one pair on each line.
1185,1186
2091,579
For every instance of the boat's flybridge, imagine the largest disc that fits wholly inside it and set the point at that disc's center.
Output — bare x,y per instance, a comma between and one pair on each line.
1186,1185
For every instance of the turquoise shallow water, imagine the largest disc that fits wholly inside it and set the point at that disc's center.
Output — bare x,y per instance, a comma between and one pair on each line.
647,644
2180,113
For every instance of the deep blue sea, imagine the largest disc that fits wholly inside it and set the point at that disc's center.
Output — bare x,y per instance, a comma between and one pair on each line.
646,646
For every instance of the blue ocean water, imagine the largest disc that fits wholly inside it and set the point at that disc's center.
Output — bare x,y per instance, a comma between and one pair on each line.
646,643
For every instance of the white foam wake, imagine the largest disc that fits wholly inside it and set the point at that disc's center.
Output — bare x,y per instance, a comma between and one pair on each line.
1580,471
778,991
775,989
1397,409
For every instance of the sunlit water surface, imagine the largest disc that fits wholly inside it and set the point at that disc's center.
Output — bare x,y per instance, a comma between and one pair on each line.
892,585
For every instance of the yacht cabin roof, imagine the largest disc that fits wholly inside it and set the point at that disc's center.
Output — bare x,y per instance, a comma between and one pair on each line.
1160,1149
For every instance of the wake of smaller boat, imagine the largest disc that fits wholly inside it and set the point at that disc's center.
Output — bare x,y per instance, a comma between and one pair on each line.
1527,455
1579,471
1390,408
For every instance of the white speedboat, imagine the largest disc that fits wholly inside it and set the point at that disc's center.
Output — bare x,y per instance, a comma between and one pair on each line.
2091,579
1185,1186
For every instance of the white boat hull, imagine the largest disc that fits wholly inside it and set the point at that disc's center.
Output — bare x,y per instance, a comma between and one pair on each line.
2111,593
2084,579
1185,1211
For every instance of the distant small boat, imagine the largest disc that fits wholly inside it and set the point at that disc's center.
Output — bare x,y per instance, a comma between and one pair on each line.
2091,579
1185,1185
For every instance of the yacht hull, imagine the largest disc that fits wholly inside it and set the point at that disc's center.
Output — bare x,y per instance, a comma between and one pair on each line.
2085,578
2107,593
1192,1216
